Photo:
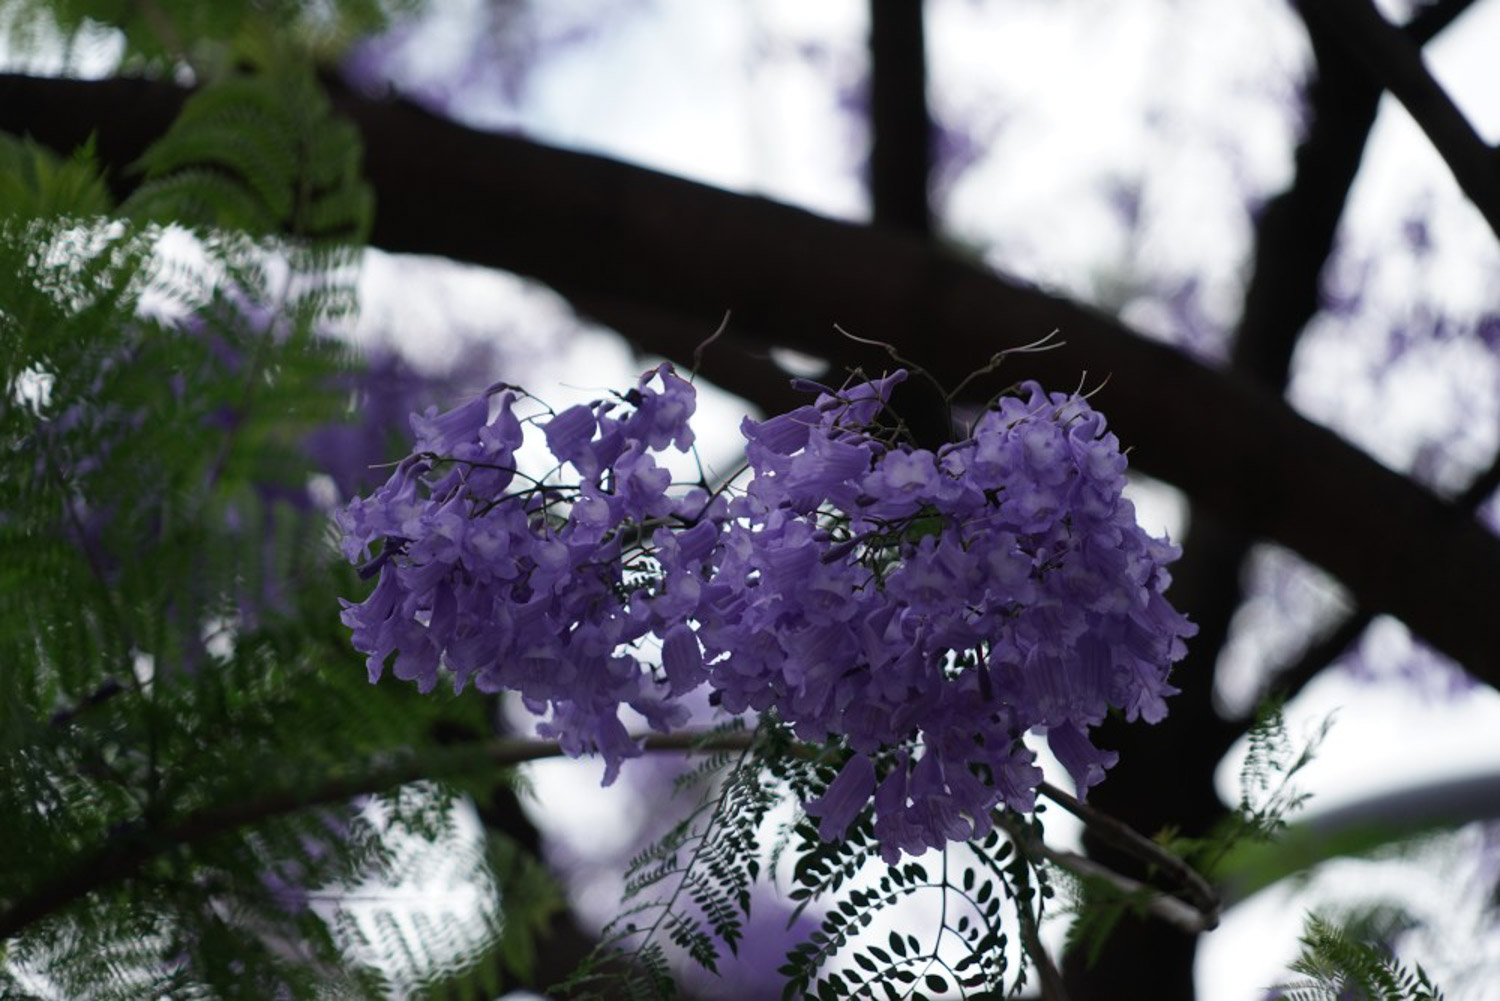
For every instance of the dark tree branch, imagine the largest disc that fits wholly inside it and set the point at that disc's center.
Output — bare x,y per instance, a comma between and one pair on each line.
1395,63
1295,237
1291,680
1297,234
899,168
900,147
1294,240
1428,21
602,232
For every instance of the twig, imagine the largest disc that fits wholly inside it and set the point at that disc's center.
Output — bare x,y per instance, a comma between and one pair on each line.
1127,839
106,690
698,351
1168,908
1174,911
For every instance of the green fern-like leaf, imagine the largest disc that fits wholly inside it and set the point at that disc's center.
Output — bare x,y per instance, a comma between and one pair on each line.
1337,966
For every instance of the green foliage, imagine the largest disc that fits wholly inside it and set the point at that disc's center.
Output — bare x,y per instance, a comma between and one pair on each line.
36,184
260,155
184,730
1268,794
688,894
968,952
161,36
689,890
1337,966
1096,907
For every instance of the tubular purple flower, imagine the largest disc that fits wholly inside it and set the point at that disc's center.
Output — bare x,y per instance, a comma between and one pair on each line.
441,433
782,434
845,797
1085,762
661,416
568,436
682,659
859,404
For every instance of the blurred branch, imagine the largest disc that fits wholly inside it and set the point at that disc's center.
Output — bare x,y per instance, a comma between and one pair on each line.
605,233
1393,61
1163,906
1295,238
1296,232
900,131
1428,20
136,844
900,165
1292,679
1205,901
1481,489
1362,827
102,693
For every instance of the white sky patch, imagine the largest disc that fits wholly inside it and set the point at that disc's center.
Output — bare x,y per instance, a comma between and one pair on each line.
1160,508
700,69
439,314
218,636
1153,97
32,389
443,886
143,666
93,54
1382,738
323,492
1438,882
1289,604
1435,393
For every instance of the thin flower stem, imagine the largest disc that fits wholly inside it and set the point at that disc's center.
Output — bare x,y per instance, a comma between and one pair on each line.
1041,344
698,351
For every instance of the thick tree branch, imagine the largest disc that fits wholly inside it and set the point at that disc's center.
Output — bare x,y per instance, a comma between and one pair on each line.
900,132
1296,236
1294,239
602,232
1394,62
1429,20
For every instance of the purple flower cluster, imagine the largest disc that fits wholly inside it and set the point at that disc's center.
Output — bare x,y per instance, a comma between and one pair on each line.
945,601
925,609
527,585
